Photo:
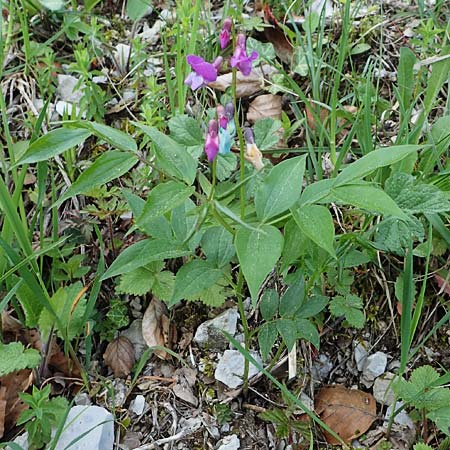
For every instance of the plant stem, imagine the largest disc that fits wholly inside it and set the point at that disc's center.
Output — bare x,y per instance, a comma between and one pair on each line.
245,326
241,143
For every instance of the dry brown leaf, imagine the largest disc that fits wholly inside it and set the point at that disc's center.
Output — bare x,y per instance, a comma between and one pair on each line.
156,327
444,285
245,86
11,385
119,356
348,412
2,410
264,106
283,47
183,389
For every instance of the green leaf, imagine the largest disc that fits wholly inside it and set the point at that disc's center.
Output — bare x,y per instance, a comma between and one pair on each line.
137,282
293,298
226,165
269,304
349,306
217,243
405,76
136,9
374,160
258,252
193,278
53,143
106,168
439,76
294,244
307,331
368,197
315,192
135,202
184,219
266,133
267,337
312,306
171,157
357,49
116,138
142,253
164,285
163,198
414,197
281,188
63,301
441,417
213,296
393,234
265,51
312,21
288,331
317,223
186,131
14,357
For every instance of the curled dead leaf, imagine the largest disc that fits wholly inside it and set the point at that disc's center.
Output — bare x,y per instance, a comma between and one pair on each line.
245,86
119,356
264,106
11,405
348,412
275,34
156,327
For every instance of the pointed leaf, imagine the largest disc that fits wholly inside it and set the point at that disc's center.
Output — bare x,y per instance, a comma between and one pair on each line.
267,336
193,278
142,253
171,156
269,304
106,168
258,252
54,143
378,158
281,188
317,223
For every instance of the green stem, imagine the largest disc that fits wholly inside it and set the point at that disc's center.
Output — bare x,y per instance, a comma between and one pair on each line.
240,299
241,143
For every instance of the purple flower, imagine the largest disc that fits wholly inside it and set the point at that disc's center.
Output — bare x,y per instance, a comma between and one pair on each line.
240,59
202,72
225,34
221,114
212,140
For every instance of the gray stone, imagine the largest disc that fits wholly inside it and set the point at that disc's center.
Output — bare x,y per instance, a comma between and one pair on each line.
401,418
360,354
82,399
230,442
322,368
374,366
137,405
382,389
230,369
97,422
67,89
209,334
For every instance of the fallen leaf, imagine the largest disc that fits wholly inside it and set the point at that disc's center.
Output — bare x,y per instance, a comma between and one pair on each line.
2,410
186,378
443,283
245,86
119,356
348,412
10,386
277,37
156,327
264,106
